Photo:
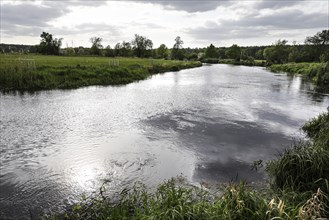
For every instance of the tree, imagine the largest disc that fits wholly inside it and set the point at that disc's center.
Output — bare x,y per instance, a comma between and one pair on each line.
178,43
318,44
211,52
48,45
125,49
109,52
192,56
293,54
96,45
82,51
177,51
259,54
141,44
278,53
117,49
221,53
321,38
162,51
234,52
70,51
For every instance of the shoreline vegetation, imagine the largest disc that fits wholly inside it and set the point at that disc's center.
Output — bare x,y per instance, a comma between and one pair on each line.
134,60
39,72
298,189
315,72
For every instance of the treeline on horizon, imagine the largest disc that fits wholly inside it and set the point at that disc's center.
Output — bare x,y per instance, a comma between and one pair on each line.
315,49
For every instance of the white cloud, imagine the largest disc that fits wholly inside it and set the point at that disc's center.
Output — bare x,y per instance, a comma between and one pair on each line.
199,23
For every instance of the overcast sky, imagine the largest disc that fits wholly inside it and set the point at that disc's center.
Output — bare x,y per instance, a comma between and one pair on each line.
199,23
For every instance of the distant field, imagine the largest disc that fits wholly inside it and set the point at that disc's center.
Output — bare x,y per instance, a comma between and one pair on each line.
36,72
56,61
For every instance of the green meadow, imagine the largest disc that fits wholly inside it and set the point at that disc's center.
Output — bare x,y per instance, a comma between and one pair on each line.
38,72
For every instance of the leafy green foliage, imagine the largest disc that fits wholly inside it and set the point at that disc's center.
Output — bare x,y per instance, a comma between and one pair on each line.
211,52
49,45
162,51
279,53
96,47
234,52
177,51
141,44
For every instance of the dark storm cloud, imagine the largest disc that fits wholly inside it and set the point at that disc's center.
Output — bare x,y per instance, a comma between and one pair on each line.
67,3
271,4
255,25
290,19
208,5
29,14
188,5
28,19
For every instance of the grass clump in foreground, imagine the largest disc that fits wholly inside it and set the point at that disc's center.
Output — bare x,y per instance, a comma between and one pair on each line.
300,189
305,166
172,201
317,72
55,72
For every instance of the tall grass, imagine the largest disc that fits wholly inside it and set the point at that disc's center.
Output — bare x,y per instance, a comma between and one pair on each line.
53,72
305,166
301,168
174,201
317,72
317,129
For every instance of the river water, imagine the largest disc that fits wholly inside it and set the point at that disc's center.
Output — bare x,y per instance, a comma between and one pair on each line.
207,124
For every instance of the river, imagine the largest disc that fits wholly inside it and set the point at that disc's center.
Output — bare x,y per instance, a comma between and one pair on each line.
207,124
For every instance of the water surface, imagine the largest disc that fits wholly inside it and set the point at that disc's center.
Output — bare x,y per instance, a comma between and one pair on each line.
207,124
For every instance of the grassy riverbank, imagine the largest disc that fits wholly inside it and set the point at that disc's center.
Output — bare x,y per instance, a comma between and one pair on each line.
32,72
299,189
317,72
243,62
